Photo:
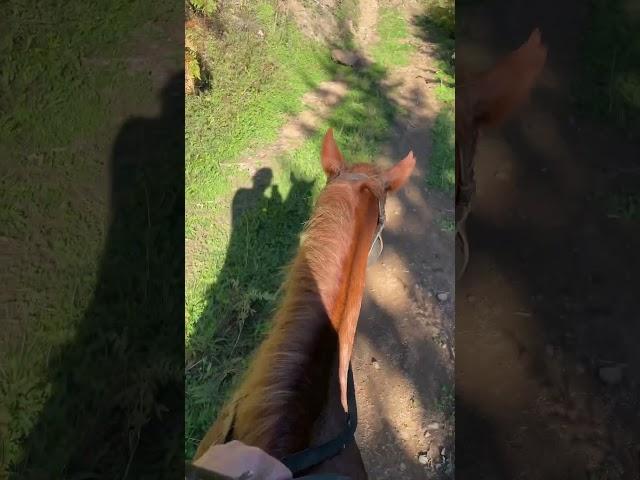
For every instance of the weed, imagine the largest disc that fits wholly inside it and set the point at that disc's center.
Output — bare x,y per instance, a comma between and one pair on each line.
446,224
446,402
610,85
442,167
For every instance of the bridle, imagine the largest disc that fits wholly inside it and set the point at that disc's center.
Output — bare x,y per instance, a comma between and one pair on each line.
377,244
465,191
312,456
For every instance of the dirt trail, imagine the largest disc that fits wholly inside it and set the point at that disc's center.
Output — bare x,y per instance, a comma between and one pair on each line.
403,326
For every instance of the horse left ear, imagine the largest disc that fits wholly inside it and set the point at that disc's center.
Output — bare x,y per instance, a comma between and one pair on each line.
397,176
332,159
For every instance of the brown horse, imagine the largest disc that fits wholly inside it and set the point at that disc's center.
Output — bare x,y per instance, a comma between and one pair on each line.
486,101
294,394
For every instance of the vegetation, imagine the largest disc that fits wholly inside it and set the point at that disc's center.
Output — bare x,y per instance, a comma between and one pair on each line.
63,70
610,86
392,48
437,24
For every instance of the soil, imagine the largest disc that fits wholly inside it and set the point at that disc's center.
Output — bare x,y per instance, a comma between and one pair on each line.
547,319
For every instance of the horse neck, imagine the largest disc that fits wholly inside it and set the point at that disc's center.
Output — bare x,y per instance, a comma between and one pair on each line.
286,388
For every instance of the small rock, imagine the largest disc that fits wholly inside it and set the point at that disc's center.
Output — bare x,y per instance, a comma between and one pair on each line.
443,452
434,454
349,59
423,459
375,363
427,434
403,467
433,426
611,375
443,297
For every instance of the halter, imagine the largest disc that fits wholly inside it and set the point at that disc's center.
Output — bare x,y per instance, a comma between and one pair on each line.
377,244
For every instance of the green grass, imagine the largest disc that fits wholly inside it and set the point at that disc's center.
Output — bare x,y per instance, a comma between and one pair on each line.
446,223
62,65
248,100
392,48
437,27
609,87
237,261
445,402
442,166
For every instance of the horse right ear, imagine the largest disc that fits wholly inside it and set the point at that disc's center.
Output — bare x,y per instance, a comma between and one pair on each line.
332,160
500,90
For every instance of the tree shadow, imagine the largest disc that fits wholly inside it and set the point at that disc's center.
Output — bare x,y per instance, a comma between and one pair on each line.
116,403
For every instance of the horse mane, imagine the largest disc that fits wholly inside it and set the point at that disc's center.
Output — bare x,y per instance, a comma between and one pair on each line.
285,387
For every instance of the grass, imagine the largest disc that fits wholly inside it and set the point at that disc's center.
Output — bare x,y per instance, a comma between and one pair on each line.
625,206
437,27
392,48
236,261
445,402
446,224
61,69
609,88
43,46
248,100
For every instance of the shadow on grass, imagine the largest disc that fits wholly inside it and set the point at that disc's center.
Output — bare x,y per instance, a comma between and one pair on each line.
116,403
264,234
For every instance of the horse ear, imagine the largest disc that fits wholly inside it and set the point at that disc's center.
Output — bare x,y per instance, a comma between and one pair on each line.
500,90
332,160
397,176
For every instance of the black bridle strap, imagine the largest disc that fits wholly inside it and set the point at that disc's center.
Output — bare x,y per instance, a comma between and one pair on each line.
312,456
